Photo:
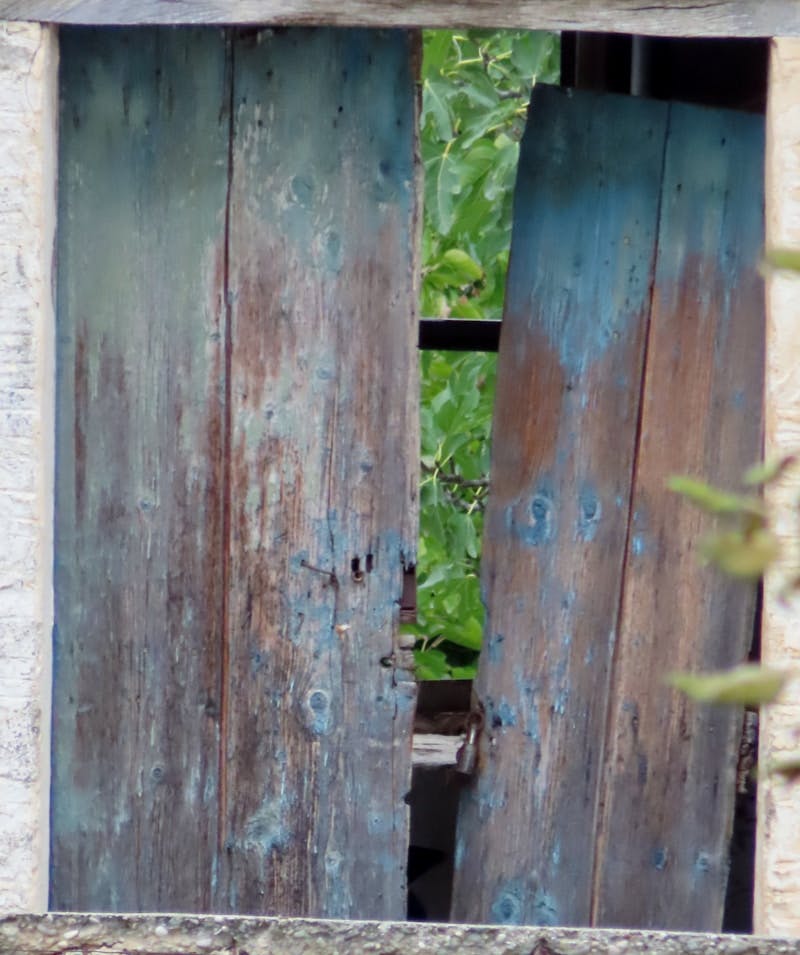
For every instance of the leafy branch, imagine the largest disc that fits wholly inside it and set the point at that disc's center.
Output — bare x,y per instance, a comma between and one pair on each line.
475,89
745,547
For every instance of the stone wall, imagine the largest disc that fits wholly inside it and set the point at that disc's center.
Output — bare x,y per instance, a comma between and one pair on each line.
28,54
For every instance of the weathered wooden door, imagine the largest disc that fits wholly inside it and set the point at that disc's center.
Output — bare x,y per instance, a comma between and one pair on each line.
237,469
632,349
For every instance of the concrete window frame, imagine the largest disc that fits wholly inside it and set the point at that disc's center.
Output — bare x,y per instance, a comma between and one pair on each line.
28,185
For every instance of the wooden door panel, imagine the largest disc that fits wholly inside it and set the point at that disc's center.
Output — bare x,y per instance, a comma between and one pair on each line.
670,767
324,459
604,797
237,470
564,439
142,193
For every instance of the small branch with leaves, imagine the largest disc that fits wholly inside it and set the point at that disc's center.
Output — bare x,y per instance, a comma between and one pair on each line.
746,547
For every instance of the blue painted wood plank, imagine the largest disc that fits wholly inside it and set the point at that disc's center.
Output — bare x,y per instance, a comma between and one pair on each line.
237,458
604,797
569,377
324,459
140,326
670,769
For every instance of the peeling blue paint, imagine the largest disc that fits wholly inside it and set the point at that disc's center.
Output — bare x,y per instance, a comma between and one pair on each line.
545,909
268,828
702,865
590,510
559,706
458,855
660,858
529,712
507,908
379,824
638,545
579,324
494,647
317,712
303,190
504,714
533,522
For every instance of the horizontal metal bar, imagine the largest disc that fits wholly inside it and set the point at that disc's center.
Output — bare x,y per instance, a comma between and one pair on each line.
459,334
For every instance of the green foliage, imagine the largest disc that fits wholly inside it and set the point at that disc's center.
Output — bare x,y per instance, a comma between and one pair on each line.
747,546
783,259
746,549
714,500
748,685
475,90
456,415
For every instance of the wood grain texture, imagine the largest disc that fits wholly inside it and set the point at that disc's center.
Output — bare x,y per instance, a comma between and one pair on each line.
65,934
431,751
670,765
777,901
237,471
144,146
605,797
569,378
673,18
324,439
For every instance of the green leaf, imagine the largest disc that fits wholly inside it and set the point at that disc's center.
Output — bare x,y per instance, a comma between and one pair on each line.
714,500
530,52
481,91
740,554
435,107
464,672
445,180
784,259
431,665
466,267
769,471
437,45
466,309
749,684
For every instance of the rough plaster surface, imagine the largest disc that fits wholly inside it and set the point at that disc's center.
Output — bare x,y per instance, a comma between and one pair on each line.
777,909
28,54
208,935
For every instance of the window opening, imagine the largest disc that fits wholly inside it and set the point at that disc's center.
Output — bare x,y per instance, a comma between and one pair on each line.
475,91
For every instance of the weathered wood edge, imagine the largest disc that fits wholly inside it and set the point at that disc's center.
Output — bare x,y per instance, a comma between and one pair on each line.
63,934
432,750
777,892
675,18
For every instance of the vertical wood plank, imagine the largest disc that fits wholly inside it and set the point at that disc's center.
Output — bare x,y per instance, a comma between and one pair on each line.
143,180
670,768
569,378
777,894
324,453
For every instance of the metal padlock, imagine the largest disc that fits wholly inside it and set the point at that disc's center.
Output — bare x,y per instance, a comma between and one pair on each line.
467,755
